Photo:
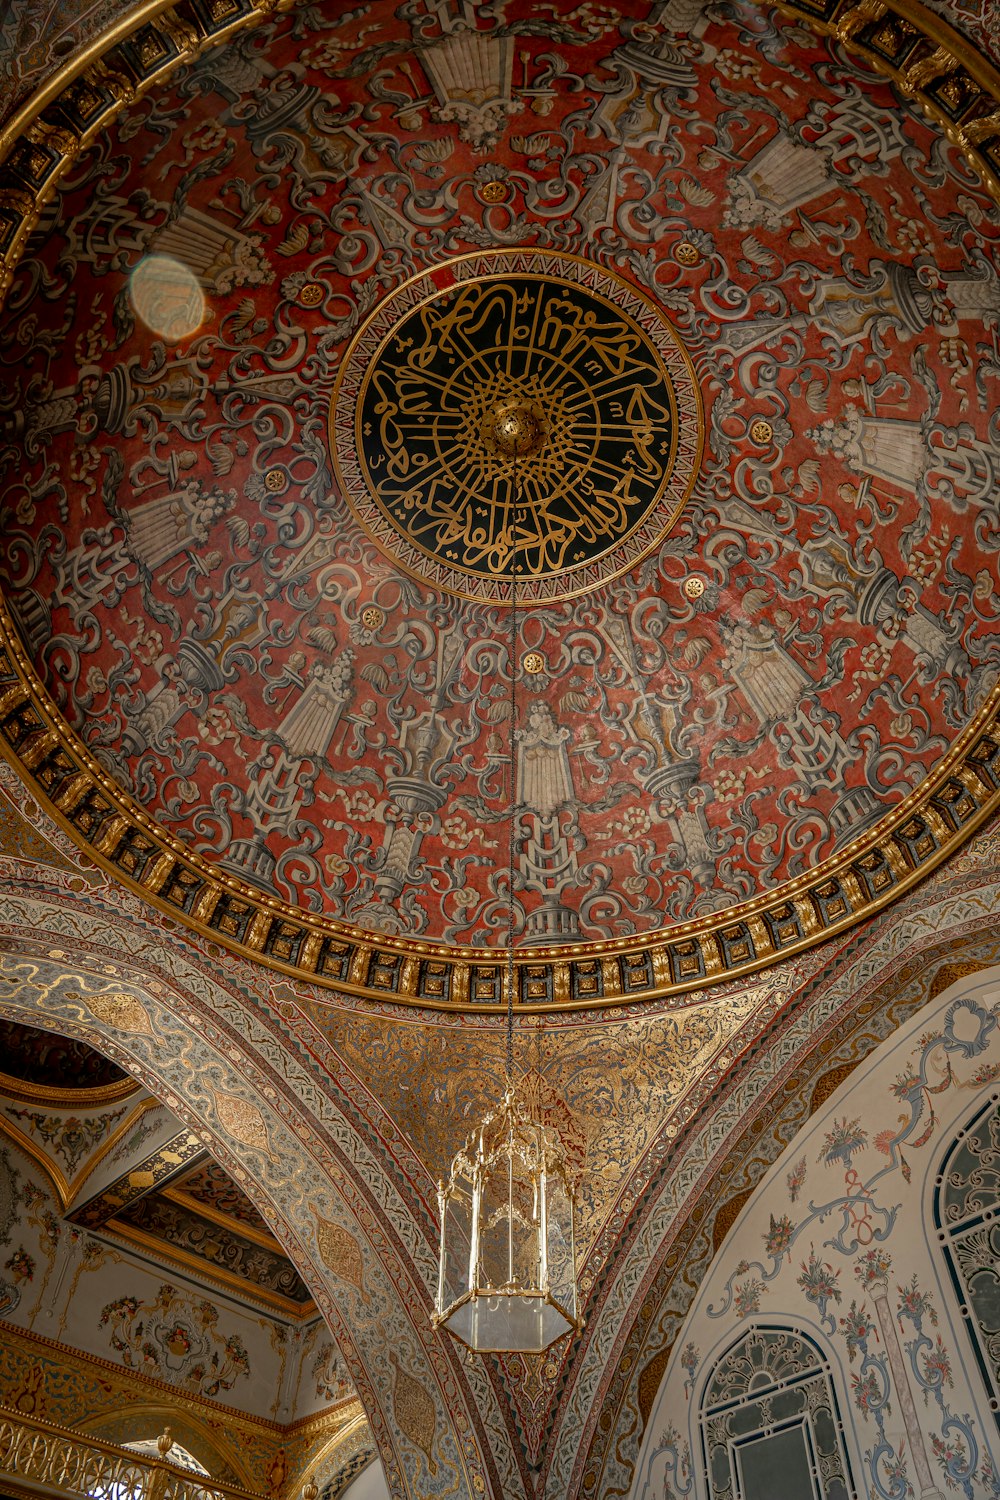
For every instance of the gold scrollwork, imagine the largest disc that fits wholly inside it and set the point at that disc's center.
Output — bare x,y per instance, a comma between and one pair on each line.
35,1452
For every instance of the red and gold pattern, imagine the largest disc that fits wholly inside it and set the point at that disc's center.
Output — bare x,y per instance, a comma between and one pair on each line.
195,593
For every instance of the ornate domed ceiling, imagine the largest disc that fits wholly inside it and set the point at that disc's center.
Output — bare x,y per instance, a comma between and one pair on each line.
57,1064
378,350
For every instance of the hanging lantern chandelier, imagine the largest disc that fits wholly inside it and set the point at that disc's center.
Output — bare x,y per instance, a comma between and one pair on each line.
507,1265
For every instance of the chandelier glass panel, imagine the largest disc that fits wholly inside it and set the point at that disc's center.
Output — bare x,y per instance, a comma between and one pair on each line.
507,1276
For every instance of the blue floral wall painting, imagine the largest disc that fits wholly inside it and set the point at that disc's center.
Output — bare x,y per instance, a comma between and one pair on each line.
846,1341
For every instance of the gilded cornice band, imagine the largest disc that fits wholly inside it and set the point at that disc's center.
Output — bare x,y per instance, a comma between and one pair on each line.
925,829
69,1098
928,61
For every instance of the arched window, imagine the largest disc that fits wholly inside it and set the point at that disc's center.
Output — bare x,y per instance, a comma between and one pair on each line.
178,1456
967,1218
770,1423
137,1490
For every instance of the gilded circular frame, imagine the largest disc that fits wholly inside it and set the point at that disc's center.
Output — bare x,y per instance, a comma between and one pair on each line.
422,458
420,454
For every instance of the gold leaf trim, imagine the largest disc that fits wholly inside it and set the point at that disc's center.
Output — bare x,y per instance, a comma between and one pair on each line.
244,1121
117,1008
340,1253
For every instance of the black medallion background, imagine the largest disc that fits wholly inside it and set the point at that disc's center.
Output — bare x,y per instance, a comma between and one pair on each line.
585,387
519,419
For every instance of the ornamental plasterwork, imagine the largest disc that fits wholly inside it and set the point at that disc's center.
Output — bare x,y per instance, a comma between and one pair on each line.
375,938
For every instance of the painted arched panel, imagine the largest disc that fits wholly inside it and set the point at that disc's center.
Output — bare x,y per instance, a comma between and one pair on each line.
967,1217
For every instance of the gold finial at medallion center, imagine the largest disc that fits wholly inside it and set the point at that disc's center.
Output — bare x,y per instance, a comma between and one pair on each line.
516,429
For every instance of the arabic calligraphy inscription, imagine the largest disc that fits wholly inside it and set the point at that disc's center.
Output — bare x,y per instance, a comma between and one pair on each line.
536,414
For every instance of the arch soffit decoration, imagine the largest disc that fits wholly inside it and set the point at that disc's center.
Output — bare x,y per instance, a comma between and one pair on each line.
956,87
277,1131
845,1013
839,1008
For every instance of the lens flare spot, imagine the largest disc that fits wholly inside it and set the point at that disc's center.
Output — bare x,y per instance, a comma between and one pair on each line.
167,296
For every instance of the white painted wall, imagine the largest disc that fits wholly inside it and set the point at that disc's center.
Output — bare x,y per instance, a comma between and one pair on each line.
369,1485
839,1236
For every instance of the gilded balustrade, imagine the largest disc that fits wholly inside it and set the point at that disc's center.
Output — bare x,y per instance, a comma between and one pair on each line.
39,1457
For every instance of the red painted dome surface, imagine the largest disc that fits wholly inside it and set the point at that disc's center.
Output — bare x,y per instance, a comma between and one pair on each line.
784,664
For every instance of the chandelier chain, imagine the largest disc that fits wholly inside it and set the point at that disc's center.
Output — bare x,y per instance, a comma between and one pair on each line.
507,1258
512,773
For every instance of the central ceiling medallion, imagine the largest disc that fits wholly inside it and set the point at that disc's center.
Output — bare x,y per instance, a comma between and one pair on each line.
525,358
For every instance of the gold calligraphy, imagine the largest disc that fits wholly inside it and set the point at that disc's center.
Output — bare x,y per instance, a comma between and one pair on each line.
526,418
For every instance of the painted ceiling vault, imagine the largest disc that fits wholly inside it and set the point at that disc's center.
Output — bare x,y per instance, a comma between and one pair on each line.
423,423
380,356
139,1285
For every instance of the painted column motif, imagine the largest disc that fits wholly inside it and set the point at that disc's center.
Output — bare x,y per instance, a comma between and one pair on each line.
778,690
416,792
276,801
874,1275
159,529
545,823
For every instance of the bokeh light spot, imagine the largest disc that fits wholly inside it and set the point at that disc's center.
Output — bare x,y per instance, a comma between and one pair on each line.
167,296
